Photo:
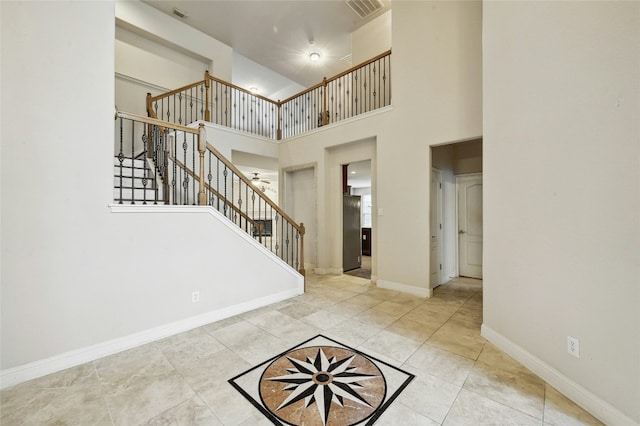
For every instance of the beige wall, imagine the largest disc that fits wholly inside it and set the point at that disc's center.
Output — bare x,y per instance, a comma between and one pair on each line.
561,200
372,39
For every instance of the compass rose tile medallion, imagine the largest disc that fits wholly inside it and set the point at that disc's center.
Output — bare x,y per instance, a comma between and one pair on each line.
322,382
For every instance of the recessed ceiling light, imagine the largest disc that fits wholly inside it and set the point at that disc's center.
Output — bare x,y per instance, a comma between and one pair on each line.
314,57
353,172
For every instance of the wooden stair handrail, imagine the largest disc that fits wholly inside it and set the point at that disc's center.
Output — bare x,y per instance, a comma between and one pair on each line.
246,180
216,193
156,122
178,90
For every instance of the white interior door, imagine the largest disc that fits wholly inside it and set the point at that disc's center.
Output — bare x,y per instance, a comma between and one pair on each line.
435,227
470,225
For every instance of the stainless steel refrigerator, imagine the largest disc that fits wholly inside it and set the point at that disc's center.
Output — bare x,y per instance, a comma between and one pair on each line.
351,238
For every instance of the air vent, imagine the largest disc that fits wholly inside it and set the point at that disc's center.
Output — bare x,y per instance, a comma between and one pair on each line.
365,8
179,13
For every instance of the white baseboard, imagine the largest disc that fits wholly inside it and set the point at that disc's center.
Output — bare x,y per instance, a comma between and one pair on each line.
374,279
595,405
36,369
404,288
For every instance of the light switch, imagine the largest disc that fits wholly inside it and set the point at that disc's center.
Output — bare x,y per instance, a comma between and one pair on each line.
380,212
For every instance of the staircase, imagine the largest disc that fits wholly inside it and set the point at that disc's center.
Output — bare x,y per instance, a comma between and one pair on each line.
134,182
176,166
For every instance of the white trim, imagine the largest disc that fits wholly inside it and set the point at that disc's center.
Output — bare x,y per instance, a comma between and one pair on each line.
362,116
595,405
141,82
33,370
128,208
404,288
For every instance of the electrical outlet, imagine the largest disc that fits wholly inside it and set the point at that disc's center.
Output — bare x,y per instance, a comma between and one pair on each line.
195,297
573,346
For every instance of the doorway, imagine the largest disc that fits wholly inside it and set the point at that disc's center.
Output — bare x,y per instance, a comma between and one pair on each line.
356,178
455,161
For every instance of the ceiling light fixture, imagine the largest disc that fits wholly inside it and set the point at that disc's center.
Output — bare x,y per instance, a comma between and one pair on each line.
314,57
253,89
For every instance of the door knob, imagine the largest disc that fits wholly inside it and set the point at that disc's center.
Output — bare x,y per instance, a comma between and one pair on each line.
462,232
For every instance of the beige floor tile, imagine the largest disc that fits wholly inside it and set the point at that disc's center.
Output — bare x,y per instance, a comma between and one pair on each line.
324,320
298,310
148,398
442,306
560,411
347,309
79,404
213,371
236,333
394,308
189,347
457,338
365,300
472,409
445,365
229,406
429,395
394,346
260,348
193,412
494,357
376,318
270,320
412,330
210,328
123,370
17,402
399,414
351,333
296,331
522,391
429,318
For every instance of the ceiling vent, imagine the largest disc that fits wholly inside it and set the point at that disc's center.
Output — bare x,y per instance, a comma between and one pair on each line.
180,14
365,8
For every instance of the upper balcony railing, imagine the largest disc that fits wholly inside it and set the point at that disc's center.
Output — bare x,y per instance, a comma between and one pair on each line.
363,88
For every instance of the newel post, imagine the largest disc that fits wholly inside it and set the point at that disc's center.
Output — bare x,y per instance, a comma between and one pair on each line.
202,145
302,271
325,111
207,90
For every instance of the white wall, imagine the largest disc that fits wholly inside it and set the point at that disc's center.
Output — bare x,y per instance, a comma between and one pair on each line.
371,39
75,275
436,99
300,204
155,25
562,197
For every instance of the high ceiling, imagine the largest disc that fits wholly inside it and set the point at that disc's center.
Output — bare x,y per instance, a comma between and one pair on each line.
279,35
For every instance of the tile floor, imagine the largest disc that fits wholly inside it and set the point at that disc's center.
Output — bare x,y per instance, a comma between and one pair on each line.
461,379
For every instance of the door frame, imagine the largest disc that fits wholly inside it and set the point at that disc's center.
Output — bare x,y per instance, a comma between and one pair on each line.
440,216
457,214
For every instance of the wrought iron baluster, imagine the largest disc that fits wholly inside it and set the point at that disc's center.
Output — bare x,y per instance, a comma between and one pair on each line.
246,208
218,182
145,168
275,233
174,180
133,156
226,200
